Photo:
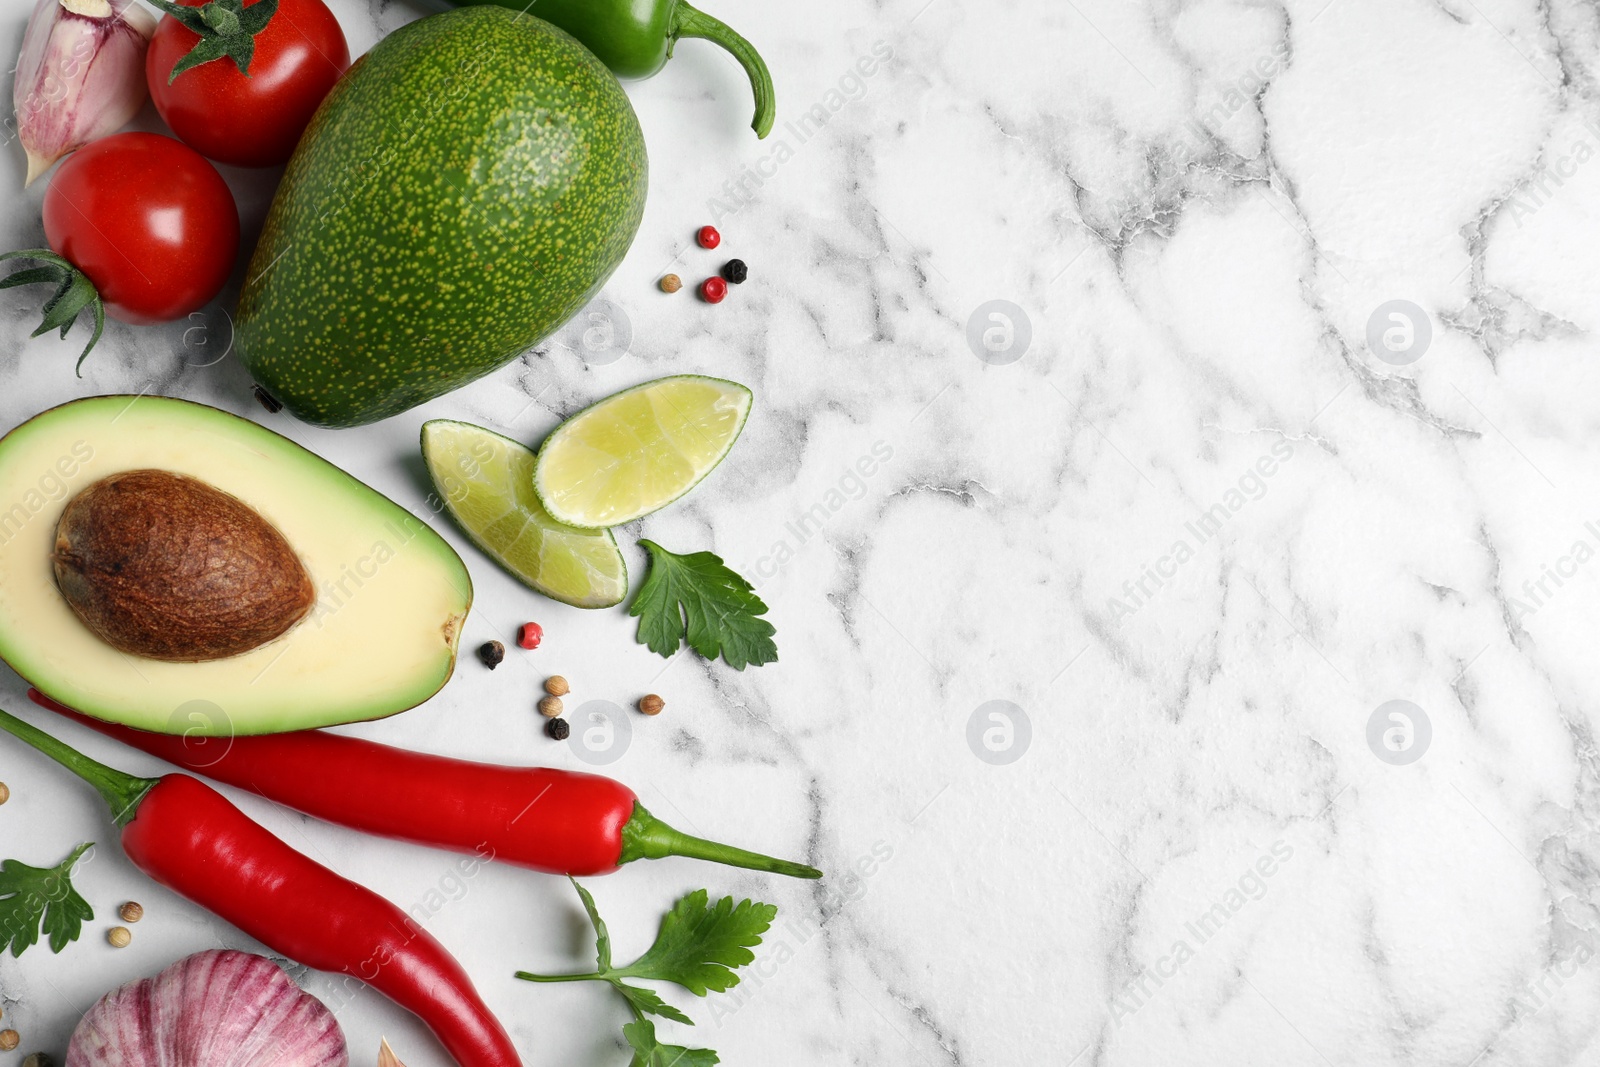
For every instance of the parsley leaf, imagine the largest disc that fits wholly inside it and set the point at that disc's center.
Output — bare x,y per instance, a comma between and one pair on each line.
641,999
698,598
646,1000
32,898
602,936
699,946
648,1052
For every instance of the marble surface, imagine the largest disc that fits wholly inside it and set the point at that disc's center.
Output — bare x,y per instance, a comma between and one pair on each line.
1149,396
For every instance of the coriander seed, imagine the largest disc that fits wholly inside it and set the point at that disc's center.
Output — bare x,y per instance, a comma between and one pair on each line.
119,936
131,912
671,283
550,707
652,704
557,686
5,792
9,1039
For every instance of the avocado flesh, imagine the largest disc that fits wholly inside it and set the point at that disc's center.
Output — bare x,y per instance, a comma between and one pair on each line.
462,192
391,594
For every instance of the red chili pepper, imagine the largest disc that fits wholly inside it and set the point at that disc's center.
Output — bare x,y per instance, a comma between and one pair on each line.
188,837
561,822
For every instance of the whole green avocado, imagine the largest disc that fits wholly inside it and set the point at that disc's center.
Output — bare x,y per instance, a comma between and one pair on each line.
465,189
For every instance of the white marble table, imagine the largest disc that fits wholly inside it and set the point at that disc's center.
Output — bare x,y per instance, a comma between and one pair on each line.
1194,509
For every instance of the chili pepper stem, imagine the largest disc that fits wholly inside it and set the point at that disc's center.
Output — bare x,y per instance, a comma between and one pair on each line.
122,791
647,837
688,21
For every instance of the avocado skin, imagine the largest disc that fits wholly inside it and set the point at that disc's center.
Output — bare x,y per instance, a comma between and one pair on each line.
465,189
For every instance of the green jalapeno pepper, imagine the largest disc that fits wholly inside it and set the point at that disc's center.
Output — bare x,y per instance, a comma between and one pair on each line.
635,38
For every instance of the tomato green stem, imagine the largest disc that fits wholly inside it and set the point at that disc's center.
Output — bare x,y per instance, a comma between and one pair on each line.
647,837
121,791
220,19
74,292
226,28
688,21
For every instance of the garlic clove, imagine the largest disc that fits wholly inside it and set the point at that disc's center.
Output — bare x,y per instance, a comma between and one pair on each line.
220,1008
80,75
386,1056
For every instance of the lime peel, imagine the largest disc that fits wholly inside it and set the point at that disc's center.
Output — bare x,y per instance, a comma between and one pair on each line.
486,482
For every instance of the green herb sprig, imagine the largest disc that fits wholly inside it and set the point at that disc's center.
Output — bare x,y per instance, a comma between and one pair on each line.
698,598
698,947
41,898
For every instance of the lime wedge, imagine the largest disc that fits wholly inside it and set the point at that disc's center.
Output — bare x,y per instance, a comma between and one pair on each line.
486,482
639,450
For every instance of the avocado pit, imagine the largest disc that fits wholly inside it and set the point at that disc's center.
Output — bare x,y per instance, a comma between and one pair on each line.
168,567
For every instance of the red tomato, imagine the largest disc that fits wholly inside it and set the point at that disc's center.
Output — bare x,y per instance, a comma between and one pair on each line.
149,221
254,120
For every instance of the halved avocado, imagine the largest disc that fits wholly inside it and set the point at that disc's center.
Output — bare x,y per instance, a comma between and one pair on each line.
390,594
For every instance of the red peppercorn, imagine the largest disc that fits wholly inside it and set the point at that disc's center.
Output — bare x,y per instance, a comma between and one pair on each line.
708,237
530,635
712,290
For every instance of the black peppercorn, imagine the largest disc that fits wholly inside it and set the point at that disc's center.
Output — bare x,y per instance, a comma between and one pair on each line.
558,729
735,271
492,653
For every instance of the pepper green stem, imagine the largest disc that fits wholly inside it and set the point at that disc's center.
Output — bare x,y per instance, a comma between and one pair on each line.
646,837
687,21
122,791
